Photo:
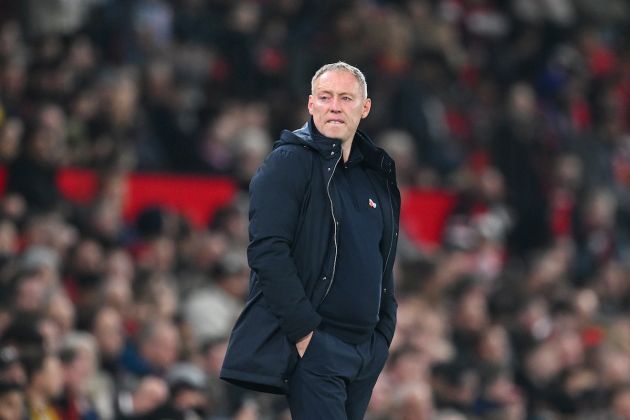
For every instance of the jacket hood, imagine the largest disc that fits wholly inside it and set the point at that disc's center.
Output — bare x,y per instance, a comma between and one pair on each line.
308,137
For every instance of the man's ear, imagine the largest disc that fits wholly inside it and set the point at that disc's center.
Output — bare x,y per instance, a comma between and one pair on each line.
310,104
367,105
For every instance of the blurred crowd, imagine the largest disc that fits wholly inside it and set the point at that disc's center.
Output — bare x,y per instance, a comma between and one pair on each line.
520,109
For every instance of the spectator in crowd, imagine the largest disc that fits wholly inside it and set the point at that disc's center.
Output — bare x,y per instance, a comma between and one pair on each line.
156,350
32,175
187,400
45,383
108,331
211,311
11,401
81,384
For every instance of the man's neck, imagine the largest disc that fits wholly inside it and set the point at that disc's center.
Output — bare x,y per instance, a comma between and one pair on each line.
346,148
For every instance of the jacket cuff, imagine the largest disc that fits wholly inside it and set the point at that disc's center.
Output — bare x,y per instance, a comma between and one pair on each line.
301,322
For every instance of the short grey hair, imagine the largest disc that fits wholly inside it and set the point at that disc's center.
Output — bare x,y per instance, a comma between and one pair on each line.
341,66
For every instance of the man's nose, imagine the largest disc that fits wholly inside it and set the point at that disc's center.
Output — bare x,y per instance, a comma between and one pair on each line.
335,106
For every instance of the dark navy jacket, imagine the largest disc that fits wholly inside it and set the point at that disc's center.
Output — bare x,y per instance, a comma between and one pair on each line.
293,251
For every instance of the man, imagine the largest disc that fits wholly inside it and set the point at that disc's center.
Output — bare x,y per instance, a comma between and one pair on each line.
157,349
324,210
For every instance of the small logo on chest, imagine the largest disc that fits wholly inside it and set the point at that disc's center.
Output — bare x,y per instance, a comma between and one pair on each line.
371,203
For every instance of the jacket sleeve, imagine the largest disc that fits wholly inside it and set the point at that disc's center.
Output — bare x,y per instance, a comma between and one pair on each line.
389,306
276,195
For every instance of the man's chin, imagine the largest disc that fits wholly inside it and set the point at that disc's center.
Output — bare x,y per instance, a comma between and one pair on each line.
334,133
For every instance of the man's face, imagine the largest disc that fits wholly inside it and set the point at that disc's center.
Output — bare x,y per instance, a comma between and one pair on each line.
337,104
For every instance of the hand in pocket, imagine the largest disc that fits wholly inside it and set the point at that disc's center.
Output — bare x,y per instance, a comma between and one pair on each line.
302,344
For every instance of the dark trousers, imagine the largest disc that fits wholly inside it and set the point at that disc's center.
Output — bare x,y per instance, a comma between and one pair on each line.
334,379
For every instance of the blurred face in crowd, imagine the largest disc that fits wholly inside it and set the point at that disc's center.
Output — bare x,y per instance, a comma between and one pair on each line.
121,99
89,257
621,403
13,78
61,311
30,293
161,348
48,140
108,332
117,293
120,264
167,346
8,238
12,405
10,138
494,345
160,255
214,356
414,401
81,368
337,104
53,376
49,380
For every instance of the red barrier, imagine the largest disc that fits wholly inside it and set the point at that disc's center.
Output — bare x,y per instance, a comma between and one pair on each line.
423,215
195,197
78,185
423,212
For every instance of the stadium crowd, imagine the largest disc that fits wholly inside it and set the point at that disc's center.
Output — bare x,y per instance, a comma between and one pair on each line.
519,108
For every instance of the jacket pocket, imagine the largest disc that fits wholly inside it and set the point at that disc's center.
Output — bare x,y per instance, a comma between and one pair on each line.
259,352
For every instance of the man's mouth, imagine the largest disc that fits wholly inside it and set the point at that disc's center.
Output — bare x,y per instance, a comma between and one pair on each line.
335,121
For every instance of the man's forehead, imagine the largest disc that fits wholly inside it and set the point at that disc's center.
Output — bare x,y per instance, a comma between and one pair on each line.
334,78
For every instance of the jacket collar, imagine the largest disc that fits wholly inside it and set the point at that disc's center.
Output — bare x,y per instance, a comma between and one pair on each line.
329,148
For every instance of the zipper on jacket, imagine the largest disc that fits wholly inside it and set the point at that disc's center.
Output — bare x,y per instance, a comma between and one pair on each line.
332,211
391,242
391,209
